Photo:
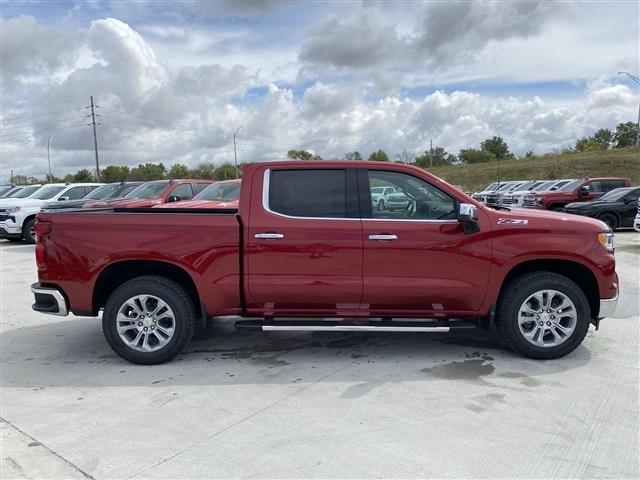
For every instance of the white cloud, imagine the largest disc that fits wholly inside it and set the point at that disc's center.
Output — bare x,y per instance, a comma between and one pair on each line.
156,106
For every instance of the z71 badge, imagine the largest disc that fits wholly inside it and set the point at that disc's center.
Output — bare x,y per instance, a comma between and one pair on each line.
512,221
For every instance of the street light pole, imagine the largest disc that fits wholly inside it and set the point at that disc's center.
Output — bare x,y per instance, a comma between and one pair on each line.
637,80
235,152
49,159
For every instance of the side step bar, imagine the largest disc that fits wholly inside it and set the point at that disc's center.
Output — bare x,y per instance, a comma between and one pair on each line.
354,326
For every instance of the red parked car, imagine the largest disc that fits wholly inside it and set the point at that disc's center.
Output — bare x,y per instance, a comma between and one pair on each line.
307,242
224,194
156,192
575,191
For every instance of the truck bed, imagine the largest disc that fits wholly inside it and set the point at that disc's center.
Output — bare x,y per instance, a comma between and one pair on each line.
87,244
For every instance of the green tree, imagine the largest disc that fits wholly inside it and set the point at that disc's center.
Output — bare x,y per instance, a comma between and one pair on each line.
178,170
604,137
473,155
379,156
588,144
22,180
84,176
355,155
302,155
114,173
497,146
206,170
226,171
436,158
147,172
625,135
52,179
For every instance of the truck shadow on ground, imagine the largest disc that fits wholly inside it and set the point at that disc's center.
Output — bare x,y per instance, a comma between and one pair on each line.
74,353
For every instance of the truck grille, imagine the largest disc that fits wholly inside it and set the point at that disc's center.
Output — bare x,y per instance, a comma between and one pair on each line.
3,216
509,200
492,200
529,202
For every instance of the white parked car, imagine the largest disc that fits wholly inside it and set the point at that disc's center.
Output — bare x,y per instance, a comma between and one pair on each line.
515,199
18,216
380,197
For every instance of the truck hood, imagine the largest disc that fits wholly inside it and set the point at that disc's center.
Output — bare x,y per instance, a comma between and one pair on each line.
200,204
23,202
526,218
125,203
65,204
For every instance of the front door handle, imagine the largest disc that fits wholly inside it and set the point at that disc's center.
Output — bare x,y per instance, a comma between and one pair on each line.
383,236
272,236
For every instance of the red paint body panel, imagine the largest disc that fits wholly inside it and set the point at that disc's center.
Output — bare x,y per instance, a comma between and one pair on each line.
322,267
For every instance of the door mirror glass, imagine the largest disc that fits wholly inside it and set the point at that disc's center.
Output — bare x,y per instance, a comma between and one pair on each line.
467,213
583,191
174,198
63,199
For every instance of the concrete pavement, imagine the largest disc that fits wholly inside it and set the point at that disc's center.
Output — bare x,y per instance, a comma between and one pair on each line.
321,405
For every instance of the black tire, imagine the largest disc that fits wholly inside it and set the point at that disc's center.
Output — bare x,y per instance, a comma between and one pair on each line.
610,219
28,231
515,294
171,293
14,240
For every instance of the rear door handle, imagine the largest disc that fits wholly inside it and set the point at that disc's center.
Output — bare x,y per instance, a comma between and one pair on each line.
269,235
383,236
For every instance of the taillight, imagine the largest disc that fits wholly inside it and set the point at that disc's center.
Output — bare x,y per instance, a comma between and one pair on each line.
42,230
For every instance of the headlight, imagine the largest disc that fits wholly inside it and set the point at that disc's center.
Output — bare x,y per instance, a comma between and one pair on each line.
606,241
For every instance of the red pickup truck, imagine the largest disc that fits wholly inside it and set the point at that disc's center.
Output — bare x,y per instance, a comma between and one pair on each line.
308,242
574,191
156,192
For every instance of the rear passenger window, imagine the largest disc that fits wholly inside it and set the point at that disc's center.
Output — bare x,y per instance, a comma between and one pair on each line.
200,186
308,193
608,185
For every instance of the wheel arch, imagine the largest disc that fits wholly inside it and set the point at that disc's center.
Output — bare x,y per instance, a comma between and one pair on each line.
578,273
115,274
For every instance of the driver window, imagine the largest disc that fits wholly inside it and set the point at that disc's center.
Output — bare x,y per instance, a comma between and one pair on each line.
412,198
183,191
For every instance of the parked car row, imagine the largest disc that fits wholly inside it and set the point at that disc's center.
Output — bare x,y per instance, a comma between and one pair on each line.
20,205
610,199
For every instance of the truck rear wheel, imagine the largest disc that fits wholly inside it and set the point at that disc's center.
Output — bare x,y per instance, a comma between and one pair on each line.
543,315
148,320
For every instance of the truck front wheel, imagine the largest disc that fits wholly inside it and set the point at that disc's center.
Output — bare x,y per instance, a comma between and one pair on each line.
148,320
543,315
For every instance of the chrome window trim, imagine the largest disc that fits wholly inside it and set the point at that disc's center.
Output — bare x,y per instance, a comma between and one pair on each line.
265,205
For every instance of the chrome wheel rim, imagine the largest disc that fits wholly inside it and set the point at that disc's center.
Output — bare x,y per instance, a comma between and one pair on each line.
145,323
547,318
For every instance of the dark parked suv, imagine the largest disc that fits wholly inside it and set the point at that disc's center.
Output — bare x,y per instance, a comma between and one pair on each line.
616,208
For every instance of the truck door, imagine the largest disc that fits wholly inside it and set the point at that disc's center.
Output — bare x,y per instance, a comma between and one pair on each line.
417,259
304,242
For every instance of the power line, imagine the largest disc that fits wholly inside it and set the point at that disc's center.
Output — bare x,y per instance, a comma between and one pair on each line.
41,115
26,125
40,132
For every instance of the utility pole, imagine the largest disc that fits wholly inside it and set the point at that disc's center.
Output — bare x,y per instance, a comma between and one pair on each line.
11,177
49,159
431,153
637,80
235,153
95,138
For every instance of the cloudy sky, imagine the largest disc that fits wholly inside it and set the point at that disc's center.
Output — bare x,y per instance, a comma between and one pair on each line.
174,80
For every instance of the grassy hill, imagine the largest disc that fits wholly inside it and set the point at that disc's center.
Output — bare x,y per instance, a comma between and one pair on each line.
624,162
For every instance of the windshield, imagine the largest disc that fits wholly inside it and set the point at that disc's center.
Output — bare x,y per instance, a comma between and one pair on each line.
491,187
149,191
48,192
543,186
377,189
615,195
26,192
570,186
127,189
105,191
524,186
224,191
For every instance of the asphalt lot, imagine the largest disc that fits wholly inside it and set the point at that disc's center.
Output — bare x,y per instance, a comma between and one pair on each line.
314,405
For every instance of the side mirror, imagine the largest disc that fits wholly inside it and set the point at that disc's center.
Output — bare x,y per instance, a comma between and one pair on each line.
174,198
583,191
63,199
468,217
